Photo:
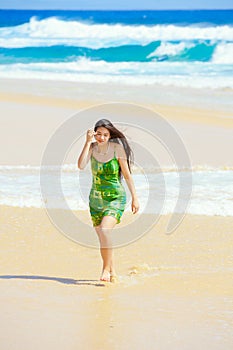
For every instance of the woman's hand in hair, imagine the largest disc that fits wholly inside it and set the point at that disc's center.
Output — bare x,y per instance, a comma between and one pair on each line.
90,134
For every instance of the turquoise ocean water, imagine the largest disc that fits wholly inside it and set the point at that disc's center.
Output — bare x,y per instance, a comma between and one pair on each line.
180,48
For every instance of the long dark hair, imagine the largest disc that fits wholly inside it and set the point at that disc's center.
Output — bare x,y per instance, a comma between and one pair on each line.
118,137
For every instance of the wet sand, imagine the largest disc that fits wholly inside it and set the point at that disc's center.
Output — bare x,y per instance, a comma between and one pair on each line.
173,290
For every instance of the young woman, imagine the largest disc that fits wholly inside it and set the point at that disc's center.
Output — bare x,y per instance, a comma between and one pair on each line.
111,157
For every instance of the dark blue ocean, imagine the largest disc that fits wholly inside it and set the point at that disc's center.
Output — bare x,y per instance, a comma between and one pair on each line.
179,48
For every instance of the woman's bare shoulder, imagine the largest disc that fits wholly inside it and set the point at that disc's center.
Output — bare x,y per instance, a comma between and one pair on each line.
120,151
117,145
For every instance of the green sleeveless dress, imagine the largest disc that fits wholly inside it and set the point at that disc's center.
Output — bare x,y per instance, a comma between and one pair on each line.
107,196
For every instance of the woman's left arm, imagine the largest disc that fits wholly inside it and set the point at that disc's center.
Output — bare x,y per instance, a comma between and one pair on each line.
130,183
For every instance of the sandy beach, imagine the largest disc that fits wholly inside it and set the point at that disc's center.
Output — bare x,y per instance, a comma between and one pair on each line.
174,291
26,106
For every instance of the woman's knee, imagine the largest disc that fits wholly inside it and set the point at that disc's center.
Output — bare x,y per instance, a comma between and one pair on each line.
103,231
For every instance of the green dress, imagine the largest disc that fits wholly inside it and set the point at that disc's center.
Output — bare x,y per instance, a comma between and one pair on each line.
107,196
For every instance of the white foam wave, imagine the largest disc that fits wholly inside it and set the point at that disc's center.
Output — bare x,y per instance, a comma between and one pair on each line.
223,54
211,189
170,49
180,74
54,31
72,167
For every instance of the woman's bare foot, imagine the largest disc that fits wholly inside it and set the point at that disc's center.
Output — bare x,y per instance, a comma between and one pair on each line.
113,278
113,275
105,276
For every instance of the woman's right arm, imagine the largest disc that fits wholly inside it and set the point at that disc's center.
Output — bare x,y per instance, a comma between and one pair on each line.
87,149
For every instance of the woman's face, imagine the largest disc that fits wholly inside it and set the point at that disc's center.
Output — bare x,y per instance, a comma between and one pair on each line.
102,135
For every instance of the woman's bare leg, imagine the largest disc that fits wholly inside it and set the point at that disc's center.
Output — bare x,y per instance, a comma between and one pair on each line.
104,233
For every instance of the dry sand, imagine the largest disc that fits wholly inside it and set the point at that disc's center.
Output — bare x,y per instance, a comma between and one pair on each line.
174,291
31,111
